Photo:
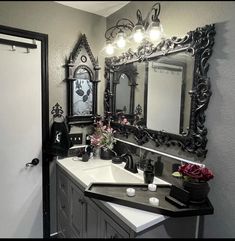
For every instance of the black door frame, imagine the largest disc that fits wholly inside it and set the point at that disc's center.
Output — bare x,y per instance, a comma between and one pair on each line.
45,116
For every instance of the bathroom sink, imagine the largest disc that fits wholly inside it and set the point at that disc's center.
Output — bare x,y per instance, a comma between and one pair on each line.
113,173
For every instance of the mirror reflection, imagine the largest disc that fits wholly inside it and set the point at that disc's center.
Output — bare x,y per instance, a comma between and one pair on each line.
123,92
161,92
140,89
170,79
82,93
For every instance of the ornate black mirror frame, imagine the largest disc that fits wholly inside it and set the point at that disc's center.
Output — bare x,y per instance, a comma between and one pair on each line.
85,61
198,43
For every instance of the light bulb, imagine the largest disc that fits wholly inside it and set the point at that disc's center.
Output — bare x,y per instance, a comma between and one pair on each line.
109,49
138,36
155,31
121,41
138,33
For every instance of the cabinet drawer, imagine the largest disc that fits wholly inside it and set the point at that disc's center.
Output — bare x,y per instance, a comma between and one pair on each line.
63,183
63,204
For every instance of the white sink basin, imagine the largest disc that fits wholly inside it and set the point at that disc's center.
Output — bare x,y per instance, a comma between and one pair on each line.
113,173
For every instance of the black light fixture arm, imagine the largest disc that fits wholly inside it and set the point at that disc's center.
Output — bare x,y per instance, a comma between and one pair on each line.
139,18
156,8
121,25
126,24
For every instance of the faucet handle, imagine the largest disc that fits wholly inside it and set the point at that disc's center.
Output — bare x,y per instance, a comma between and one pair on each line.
127,159
124,157
134,169
130,164
137,164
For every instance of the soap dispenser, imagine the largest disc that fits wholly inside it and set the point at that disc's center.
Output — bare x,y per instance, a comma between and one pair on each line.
158,167
148,172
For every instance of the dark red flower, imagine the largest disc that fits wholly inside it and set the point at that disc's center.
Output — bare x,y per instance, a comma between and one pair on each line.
196,172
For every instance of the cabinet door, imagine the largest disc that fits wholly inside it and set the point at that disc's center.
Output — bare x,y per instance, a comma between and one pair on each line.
62,183
110,229
77,201
63,226
62,206
91,219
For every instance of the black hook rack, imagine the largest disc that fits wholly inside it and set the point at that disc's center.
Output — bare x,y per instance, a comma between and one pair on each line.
17,43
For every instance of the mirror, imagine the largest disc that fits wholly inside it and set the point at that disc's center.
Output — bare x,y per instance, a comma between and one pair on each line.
82,93
172,85
82,84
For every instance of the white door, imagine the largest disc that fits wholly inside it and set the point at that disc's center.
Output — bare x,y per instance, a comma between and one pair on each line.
21,214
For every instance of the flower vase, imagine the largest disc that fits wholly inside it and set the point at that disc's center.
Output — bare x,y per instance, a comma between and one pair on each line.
198,191
97,153
106,154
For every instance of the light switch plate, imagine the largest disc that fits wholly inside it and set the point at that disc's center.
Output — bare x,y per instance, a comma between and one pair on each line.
76,138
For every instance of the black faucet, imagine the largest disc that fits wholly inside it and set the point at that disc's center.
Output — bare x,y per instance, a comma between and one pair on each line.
130,164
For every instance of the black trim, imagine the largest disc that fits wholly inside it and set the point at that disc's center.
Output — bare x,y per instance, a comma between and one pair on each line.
45,116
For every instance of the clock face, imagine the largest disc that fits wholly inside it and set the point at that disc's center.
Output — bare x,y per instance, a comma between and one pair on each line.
83,58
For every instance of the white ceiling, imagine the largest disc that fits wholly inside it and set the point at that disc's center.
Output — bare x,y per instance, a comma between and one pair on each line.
102,8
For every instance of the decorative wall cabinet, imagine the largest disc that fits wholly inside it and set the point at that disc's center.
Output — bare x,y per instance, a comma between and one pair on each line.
82,77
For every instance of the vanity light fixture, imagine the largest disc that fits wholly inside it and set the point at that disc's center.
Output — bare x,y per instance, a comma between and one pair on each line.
109,48
121,41
149,29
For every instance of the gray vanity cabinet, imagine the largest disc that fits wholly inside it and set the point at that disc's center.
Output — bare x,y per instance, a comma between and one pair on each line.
78,216
82,217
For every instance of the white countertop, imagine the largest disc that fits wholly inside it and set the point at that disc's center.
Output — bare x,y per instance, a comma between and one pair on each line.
136,219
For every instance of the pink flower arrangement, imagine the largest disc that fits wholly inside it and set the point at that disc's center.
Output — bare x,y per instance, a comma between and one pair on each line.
103,136
196,172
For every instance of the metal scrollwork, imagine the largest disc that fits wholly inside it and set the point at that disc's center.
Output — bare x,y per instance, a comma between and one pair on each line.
198,43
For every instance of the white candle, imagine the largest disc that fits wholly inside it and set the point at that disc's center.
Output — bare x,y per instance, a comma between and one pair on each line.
152,187
130,192
154,201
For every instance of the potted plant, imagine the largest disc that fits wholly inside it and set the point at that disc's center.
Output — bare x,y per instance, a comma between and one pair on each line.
195,180
103,139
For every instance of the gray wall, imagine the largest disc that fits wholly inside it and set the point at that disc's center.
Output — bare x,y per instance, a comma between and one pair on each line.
63,26
178,18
